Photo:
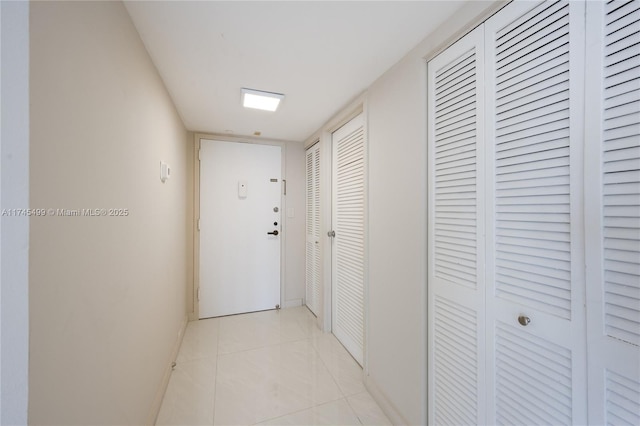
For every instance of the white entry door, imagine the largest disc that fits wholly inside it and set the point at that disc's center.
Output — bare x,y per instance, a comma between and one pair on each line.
240,229
347,275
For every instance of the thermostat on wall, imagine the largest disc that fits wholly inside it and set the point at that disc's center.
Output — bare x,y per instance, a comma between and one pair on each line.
165,171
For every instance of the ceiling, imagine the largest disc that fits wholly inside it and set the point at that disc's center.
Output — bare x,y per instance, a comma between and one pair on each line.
320,54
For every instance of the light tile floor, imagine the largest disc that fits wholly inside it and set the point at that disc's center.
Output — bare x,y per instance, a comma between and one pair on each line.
272,368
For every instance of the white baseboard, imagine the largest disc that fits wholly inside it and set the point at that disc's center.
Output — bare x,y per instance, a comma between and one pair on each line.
387,406
157,400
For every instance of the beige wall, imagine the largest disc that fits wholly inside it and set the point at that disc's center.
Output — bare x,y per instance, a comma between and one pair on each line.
107,294
396,347
294,268
190,226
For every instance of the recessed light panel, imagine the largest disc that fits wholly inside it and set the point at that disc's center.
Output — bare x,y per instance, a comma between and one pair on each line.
258,99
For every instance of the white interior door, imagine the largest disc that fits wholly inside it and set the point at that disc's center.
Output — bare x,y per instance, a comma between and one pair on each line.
348,192
240,230
506,252
456,295
535,312
312,298
613,211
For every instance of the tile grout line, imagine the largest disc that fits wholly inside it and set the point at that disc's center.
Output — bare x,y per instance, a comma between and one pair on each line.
331,373
261,347
353,410
308,336
215,375
309,408
270,345
335,381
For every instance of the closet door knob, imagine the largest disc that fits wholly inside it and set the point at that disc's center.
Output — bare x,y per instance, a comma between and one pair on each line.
523,320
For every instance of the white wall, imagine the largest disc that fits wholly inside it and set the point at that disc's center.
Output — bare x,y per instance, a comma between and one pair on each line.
397,332
14,246
107,294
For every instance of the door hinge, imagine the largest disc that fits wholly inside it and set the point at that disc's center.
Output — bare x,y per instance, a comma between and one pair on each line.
284,181
198,224
198,294
199,156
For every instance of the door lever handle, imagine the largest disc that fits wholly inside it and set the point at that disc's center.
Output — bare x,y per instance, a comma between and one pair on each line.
273,233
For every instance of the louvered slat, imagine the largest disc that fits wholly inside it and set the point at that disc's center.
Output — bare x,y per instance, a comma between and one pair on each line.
349,186
455,322
623,400
533,250
613,211
310,244
310,192
312,292
621,166
456,355
316,229
533,379
455,181
532,161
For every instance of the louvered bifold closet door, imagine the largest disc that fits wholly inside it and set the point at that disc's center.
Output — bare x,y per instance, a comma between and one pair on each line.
613,211
535,254
348,244
312,294
455,225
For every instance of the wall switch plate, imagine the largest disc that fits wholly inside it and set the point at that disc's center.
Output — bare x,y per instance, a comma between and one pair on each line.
165,171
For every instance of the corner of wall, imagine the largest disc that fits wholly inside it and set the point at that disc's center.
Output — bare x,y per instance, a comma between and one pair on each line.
190,226
397,120
14,229
157,400
389,409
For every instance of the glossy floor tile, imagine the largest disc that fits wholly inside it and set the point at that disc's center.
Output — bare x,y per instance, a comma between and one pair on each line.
190,394
272,367
260,384
332,413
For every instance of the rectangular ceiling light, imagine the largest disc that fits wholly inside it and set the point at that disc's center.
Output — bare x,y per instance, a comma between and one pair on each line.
260,100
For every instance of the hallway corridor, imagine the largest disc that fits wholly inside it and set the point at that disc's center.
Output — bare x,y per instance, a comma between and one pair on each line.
272,367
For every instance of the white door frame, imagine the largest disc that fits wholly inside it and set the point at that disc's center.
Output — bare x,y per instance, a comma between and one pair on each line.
193,290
